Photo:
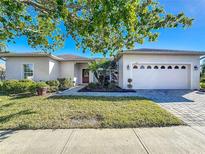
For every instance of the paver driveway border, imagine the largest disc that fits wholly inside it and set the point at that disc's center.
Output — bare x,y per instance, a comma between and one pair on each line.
192,112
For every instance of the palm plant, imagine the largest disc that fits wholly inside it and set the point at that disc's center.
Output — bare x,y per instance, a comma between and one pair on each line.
101,70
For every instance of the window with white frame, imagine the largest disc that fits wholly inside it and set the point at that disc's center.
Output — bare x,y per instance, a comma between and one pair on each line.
28,71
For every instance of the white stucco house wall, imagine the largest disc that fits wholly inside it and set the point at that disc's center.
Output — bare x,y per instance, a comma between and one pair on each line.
147,68
160,69
47,67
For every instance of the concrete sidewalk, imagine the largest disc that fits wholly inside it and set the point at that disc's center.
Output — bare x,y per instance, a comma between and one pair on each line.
181,139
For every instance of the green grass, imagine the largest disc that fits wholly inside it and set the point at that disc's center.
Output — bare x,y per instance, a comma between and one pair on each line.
81,112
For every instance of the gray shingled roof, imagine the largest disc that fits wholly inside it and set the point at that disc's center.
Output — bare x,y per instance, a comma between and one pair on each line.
72,57
168,51
29,54
64,57
149,51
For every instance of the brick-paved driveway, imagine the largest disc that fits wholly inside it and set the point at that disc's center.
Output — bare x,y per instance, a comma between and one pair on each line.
187,105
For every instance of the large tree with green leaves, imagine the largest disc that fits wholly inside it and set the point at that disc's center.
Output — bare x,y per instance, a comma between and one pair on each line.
102,26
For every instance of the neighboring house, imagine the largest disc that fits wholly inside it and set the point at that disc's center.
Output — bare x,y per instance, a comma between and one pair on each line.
148,68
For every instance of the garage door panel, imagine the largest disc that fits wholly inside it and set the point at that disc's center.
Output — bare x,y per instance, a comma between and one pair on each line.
161,78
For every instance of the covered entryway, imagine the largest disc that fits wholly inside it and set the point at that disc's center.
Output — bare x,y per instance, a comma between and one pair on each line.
160,76
85,75
82,74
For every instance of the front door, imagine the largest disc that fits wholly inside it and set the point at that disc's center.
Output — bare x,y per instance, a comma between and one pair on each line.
85,75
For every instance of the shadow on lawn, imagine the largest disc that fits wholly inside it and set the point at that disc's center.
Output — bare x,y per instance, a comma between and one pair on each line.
6,118
18,96
21,96
100,98
6,105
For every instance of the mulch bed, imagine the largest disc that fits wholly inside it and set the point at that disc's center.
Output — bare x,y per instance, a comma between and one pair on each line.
202,90
117,89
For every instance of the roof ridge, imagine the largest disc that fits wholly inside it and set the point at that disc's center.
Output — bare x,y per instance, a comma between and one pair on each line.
160,49
72,55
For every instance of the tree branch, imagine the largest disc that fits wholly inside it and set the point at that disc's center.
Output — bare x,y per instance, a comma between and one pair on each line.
39,6
74,6
36,5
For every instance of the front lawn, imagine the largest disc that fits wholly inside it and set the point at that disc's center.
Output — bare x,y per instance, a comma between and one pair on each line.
81,112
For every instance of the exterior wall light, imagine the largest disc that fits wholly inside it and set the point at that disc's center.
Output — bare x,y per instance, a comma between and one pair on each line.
128,67
196,68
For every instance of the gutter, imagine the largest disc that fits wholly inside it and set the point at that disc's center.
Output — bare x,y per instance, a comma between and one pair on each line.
5,55
165,53
119,55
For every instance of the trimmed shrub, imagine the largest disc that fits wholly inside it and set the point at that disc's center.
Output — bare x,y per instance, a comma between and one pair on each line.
30,86
203,80
16,87
26,80
129,85
202,85
53,85
9,86
1,86
65,83
129,80
40,85
112,86
93,85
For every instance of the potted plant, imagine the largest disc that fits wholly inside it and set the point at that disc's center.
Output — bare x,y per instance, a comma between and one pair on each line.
129,85
202,86
41,88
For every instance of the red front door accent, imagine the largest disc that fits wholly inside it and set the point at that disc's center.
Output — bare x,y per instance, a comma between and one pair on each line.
85,75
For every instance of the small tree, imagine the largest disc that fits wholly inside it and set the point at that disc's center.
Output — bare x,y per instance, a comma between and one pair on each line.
101,70
2,73
203,71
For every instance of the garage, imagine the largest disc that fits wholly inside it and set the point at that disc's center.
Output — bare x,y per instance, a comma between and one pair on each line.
159,69
161,76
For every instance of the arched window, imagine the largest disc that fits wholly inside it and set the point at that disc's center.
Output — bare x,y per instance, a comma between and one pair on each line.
156,67
176,67
142,67
149,67
169,67
162,67
183,67
135,67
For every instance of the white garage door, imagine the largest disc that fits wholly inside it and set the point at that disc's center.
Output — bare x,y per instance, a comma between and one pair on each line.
161,76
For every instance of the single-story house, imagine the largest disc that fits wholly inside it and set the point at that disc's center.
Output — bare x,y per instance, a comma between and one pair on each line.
147,68
41,66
